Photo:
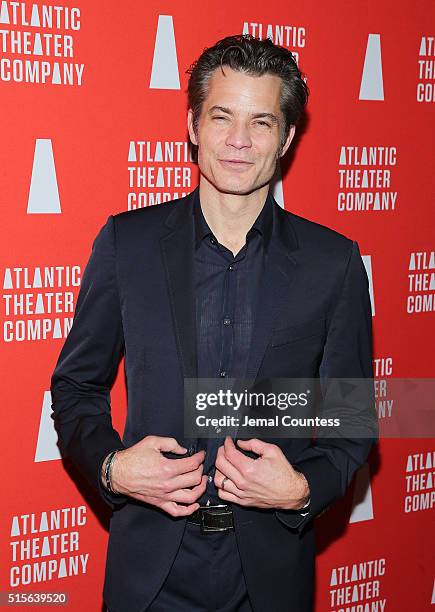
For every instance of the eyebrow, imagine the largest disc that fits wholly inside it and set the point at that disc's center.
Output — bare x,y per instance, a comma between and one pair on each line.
228,111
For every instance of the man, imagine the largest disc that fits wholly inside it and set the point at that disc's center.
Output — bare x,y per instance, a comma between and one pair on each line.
221,283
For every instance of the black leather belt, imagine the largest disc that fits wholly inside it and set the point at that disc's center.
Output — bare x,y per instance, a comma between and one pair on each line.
213,518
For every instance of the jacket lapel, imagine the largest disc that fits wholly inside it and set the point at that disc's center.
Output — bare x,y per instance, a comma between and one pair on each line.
275,286
177,254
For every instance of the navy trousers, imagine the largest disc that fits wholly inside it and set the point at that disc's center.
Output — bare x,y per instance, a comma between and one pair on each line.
206,575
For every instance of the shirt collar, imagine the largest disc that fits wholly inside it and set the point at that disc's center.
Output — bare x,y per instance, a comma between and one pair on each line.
262,224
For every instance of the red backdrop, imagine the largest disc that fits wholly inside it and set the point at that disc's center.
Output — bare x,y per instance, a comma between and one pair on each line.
93,99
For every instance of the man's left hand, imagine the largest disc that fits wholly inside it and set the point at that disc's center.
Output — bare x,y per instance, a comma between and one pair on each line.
266,482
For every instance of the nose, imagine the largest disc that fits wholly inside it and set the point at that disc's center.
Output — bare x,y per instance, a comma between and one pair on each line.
238,135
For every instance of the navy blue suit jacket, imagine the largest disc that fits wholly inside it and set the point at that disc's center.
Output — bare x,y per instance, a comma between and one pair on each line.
313,319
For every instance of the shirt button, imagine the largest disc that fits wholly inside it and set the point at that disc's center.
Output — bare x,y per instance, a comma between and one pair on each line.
191,450
230,267
227,321
222,374
212,239
210,478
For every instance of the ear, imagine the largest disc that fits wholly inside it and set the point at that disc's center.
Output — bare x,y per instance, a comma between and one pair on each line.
289,138
190,127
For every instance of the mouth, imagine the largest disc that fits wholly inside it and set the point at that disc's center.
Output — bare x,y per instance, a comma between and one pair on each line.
237,164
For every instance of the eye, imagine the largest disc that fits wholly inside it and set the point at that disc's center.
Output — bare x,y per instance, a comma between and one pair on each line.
219,117
263,123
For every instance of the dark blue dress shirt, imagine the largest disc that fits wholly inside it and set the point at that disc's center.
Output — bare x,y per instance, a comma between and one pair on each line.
225,290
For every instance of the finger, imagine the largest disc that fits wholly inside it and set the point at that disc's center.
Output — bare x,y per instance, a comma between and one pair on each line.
230,486
246,501
257,446
188,496
163,443
182,466
235,456
174,509
218,473
168,506
231,497
182,481
228,469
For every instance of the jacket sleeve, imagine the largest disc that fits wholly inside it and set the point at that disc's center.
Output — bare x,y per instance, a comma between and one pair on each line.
87,365
330,462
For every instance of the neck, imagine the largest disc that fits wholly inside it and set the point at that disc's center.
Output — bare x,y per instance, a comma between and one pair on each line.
230,216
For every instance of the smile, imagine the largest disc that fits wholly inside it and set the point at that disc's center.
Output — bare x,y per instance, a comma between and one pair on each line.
235,165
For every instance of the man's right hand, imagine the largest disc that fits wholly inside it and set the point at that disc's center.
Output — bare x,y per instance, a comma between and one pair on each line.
144,473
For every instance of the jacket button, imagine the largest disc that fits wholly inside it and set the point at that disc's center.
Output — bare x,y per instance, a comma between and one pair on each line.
191,450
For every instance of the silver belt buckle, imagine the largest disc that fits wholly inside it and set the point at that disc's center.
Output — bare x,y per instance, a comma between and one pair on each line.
206,528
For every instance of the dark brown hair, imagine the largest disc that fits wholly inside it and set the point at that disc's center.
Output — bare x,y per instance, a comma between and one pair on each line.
254,57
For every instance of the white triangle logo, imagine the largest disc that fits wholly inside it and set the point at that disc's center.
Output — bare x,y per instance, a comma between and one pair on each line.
411,262
4,15
46,446
43,193
422,46
367,260
362,509
342,160
164,72
37,46
372,82
131,152
7,280
34,20
276,186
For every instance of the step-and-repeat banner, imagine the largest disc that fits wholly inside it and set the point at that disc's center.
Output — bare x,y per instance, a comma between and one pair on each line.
93,109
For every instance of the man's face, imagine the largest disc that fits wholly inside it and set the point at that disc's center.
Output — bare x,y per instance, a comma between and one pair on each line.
239,131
